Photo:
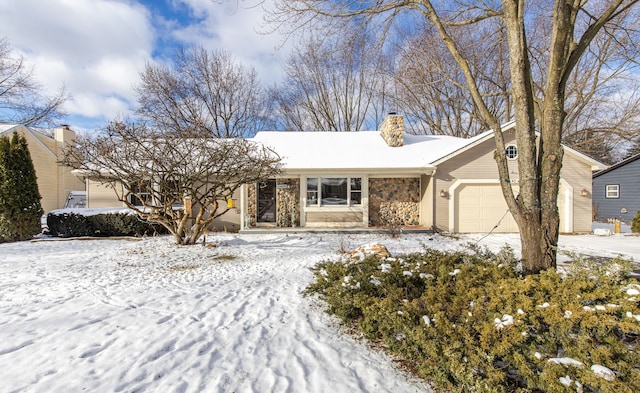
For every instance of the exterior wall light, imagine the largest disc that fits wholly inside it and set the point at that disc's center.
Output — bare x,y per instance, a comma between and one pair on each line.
443,193
584,192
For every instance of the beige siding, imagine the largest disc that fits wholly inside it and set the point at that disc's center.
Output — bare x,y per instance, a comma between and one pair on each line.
578,176
99,195
478,163
475,163
47,173
426,201
54,180
230,221
334,217
68,182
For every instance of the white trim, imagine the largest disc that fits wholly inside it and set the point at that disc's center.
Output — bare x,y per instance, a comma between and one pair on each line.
480,138
34,136
364,202
452,199
358,172
568,206
303,201
331,224
617,191
243,206
334,209
506,151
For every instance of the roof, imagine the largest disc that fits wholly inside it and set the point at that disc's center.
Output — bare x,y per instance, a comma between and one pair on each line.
618,165
7,127
476,140
360,150
37,136
364,150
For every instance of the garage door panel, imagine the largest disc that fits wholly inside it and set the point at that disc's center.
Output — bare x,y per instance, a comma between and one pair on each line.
480,207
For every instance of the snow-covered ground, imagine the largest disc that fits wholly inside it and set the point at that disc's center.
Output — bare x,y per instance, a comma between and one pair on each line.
134,316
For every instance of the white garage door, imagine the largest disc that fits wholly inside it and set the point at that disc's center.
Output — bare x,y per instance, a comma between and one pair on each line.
480,207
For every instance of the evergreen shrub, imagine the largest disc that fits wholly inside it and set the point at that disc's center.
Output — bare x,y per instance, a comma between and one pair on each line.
635,224
70,224
20,209
469,322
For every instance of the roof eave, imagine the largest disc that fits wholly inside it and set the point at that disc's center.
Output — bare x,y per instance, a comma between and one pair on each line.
616,166
425,170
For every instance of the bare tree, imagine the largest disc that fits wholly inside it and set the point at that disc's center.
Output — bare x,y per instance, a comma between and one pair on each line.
21,96
603,100
331,84
573,27
175,181
431,88
202,93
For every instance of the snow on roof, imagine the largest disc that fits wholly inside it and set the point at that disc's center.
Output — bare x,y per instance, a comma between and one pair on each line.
356,150
7,127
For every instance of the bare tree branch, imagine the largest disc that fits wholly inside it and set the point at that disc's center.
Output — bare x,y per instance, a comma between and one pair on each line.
202,93
21,98
159,176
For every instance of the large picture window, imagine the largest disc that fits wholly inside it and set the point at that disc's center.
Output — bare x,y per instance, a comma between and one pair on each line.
334,191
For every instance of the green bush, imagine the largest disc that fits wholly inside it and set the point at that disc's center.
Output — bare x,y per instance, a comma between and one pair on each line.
470,322
69,224
635,224
20,208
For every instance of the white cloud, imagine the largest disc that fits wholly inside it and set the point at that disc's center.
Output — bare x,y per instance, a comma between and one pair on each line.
98,106
96,48
237,28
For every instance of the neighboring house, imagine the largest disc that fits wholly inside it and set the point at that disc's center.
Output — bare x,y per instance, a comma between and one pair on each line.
55,181
390,179
616,190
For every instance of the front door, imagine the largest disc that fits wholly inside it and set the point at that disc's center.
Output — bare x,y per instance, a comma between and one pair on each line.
267,201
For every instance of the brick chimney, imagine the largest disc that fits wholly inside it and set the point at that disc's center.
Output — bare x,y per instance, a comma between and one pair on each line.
392,130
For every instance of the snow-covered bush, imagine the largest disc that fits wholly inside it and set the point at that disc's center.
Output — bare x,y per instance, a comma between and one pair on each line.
471,322
63,223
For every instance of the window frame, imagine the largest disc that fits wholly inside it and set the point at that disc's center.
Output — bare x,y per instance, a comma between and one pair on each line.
317,192
137,196
612,191
514,149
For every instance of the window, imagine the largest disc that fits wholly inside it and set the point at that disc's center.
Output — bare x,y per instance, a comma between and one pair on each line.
334,191
356,191
169,190
511,151
140,195
612,191
312,192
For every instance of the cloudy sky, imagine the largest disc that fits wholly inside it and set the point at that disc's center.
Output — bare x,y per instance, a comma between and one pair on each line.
96,48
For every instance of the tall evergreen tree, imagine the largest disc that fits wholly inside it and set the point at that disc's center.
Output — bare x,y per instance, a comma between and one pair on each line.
20,208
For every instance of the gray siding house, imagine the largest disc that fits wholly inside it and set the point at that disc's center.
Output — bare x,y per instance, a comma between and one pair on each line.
616,190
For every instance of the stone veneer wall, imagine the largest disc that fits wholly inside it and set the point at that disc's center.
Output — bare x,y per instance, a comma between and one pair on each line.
288,203
392,130
252,209
394,201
